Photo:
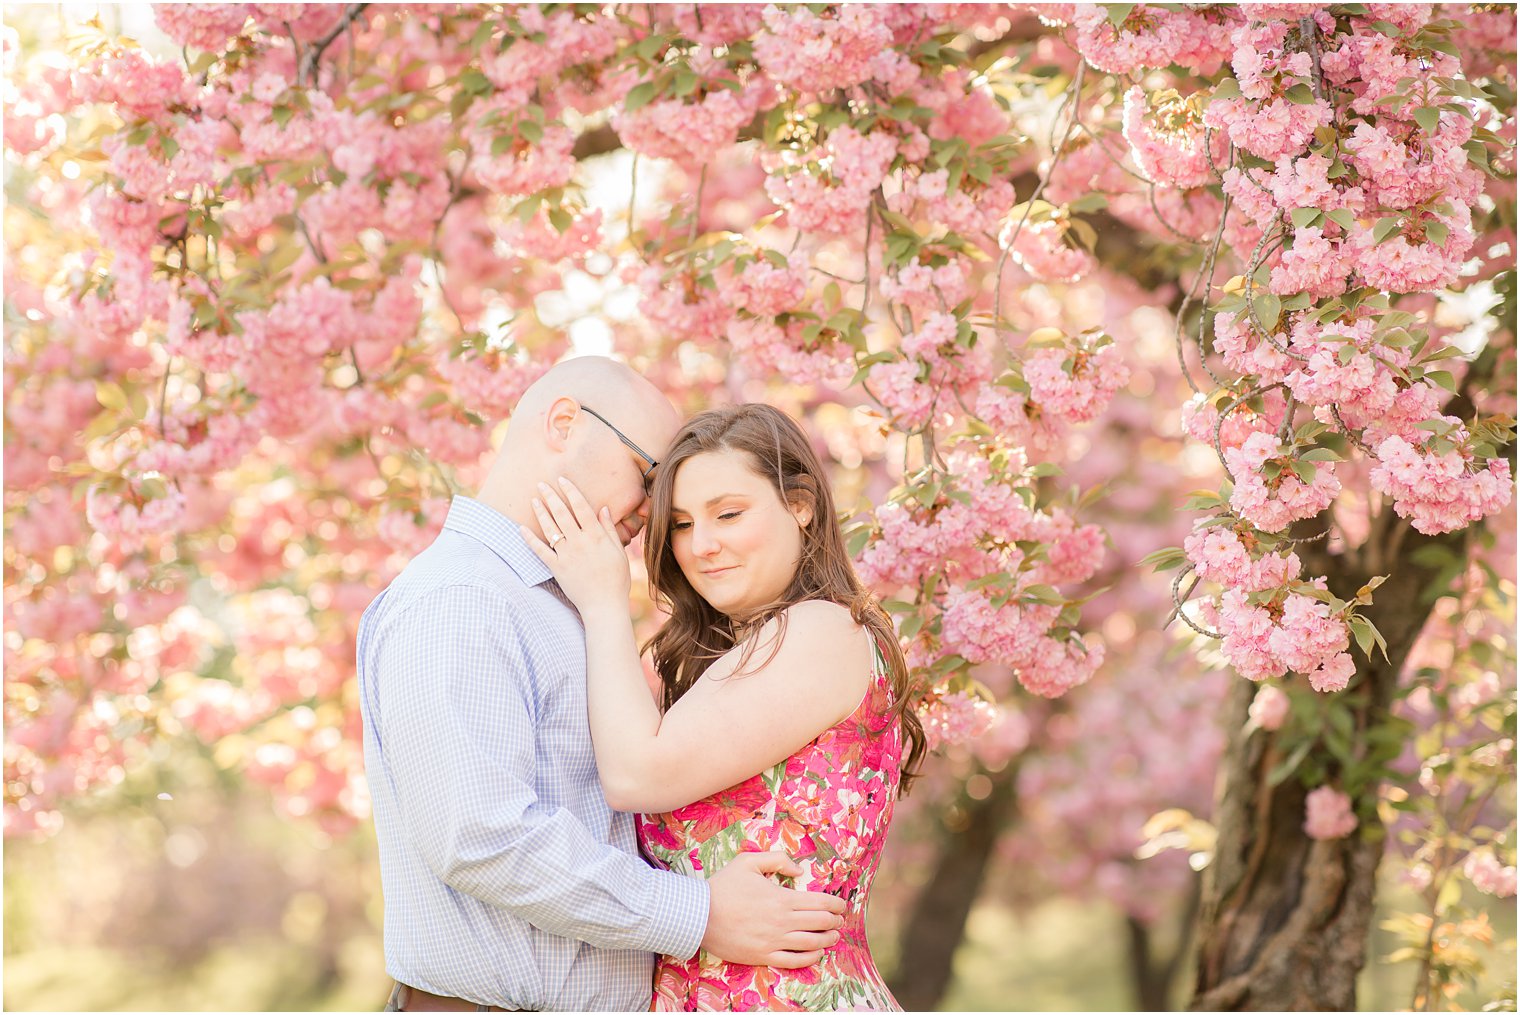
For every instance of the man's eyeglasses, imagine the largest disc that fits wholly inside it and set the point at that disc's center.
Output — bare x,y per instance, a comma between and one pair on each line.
644,475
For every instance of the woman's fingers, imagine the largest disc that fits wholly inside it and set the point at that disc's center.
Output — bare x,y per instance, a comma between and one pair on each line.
536,545
564,518
551,529
585,514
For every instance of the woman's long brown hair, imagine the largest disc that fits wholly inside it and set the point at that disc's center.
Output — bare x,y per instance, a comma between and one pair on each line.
697,634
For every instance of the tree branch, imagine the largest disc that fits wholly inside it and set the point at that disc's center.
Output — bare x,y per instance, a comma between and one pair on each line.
313,55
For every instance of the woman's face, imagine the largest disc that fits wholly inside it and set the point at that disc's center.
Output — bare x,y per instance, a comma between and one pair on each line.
735,540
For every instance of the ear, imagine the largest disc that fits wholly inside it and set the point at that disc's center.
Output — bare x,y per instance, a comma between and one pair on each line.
559,421
802,509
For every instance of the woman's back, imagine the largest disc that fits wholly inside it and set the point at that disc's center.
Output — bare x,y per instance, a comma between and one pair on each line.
828,807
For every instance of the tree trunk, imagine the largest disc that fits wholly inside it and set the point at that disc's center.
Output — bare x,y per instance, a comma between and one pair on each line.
1149,982
1285,919
937,923
1151,977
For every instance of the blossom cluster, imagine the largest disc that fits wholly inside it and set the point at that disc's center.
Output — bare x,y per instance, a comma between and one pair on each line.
1328,815
1298,632
301,271
968,535
1440,491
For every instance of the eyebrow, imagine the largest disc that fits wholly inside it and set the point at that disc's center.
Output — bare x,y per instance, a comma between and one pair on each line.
710,502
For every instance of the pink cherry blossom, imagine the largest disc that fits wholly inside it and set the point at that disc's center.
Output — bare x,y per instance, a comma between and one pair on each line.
1327,814
1270,707
1488,875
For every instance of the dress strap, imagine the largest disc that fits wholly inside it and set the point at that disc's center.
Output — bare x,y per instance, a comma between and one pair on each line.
879,671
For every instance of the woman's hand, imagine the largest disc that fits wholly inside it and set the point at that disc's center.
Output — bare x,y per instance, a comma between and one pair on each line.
583,550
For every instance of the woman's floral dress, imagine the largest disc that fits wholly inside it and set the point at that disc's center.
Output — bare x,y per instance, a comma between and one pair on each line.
828,807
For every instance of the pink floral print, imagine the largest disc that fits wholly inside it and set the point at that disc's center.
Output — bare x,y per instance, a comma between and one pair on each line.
828,806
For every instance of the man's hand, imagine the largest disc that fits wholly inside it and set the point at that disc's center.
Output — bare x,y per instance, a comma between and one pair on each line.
756,922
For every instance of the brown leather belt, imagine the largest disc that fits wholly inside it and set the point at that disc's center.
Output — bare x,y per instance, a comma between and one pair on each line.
404,998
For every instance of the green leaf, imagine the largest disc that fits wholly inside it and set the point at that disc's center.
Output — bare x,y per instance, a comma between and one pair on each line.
1477,154
460,104
1089,202
1300,94
1444,378
1341,217
639,96
1303,217
474,82
1268,309
1290,764
1119,13
531,130
1428,117
857,539
1436,232
1229,88
649,46
1384,228
111,395
1164,559
106,422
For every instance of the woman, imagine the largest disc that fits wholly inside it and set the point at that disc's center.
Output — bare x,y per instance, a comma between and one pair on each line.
783,721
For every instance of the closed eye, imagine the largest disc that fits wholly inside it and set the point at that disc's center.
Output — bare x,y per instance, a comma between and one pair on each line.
728,515
679,526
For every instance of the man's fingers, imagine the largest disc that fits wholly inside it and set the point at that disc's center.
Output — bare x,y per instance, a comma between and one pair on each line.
808,940
818,901
815,919
773,862
793,960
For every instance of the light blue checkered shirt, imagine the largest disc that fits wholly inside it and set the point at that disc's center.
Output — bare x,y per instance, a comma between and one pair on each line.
507,878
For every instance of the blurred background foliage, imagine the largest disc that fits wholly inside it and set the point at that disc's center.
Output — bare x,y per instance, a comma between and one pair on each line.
186,888
211,901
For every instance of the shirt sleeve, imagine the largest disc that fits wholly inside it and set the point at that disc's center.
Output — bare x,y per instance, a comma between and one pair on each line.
457,735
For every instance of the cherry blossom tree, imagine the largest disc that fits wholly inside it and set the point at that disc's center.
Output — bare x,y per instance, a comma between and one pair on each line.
276,291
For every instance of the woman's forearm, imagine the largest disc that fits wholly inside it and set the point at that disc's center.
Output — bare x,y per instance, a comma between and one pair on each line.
625,720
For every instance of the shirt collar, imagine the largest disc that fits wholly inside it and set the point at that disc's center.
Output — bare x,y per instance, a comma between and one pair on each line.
501,536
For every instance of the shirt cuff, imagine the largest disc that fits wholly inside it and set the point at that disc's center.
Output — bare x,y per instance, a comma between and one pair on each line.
687,900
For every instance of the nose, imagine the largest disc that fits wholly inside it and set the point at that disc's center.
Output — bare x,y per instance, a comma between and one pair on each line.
703,543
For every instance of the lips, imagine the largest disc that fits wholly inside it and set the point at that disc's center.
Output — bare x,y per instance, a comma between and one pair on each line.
719,571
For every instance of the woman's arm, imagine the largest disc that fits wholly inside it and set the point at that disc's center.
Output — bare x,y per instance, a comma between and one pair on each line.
728,727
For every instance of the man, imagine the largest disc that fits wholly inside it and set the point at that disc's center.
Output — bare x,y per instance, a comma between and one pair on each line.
508,881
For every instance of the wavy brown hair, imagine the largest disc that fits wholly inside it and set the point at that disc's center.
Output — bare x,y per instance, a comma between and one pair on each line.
697,634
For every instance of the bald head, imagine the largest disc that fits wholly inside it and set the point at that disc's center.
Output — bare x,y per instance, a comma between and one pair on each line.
603,450
601,383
